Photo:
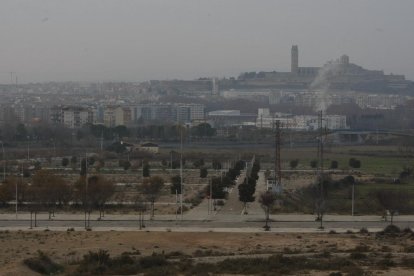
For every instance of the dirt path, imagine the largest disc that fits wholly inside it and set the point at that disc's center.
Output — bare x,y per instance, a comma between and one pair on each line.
233,206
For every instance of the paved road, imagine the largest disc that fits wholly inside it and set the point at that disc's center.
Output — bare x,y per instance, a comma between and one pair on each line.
208,225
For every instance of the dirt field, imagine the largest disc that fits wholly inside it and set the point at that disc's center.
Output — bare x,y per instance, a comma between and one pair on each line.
68,247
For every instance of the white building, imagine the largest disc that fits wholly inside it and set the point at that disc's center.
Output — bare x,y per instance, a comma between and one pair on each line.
328,121
299,122
186,113
76,117
117,116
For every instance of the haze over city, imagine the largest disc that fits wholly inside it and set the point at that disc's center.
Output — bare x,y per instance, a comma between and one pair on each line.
214,137
143,40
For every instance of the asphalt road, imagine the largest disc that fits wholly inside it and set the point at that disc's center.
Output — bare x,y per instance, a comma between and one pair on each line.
207,224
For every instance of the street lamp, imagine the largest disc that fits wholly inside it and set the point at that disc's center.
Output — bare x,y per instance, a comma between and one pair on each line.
353,197
17,195
54,147
28,148
4,162
181,171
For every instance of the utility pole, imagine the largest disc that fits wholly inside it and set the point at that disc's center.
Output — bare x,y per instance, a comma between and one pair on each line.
181,172
171,159
278,170
28,148
353,197
4,162
87,218
176,205
54,148
261,121
210,195
321,200
17,197
101,141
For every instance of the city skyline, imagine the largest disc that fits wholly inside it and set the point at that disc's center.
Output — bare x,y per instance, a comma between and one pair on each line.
131,41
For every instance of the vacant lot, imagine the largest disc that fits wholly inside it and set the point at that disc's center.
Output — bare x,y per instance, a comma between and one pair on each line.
352,252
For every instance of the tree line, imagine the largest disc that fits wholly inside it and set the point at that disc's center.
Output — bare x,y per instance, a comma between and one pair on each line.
248,187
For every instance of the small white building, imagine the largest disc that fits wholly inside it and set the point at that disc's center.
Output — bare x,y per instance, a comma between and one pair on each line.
149,147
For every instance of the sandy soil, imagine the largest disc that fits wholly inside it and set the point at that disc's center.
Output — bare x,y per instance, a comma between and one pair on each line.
66,247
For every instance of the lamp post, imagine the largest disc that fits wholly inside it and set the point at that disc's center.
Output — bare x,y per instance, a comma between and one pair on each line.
181,172
28,148
353,197
87,207
54,148
17,197
4,161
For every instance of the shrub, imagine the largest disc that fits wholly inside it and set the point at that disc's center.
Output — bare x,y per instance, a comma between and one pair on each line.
203,172
334,164
95,262
354,271
385,263
392,229
294,163
98,263
216,164
198,163
407,230
348,180
220,202
361,248
124,265
357,255
405,173
153,261
43,264
146,170
354,163
407,262
314,163
65,162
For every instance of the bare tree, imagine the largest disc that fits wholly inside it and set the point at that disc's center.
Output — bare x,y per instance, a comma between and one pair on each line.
52,190
83,196
34,198
100,191
151,189
267,201
141,208
393,202
8,190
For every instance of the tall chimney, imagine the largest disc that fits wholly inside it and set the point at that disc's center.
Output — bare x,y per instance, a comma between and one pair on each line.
294,59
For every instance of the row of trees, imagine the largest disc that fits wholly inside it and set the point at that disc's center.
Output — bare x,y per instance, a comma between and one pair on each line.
353,163
48,191
248,187
219,185
391,200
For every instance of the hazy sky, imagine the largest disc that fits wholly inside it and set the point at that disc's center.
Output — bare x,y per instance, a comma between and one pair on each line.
125,40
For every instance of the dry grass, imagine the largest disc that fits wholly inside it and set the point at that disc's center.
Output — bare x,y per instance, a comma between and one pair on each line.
68,247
